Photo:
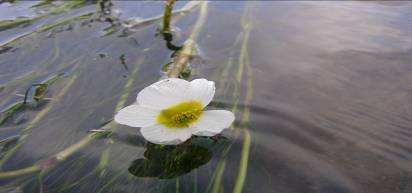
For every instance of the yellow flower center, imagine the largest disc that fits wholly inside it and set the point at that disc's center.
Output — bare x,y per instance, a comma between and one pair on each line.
180,115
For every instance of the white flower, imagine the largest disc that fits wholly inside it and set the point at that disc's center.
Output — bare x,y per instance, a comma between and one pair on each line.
171,110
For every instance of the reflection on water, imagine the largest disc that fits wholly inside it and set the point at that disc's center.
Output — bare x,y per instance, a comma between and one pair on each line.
321,92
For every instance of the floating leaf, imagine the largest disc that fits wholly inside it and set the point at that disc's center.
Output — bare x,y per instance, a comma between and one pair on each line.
166,162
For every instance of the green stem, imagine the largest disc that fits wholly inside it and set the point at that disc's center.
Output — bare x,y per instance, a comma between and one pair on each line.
167,16
182,58
19,172
244,61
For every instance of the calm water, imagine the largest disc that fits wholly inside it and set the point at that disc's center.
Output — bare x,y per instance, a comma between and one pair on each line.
322,93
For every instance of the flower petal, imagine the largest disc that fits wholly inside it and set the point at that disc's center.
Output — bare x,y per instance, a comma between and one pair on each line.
213,122
164,93
159,134
136,116
202,90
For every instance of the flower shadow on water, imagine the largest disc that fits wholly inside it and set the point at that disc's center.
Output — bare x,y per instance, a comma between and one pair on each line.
171,161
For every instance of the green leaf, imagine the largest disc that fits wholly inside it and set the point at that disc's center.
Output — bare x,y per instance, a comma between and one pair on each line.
166,162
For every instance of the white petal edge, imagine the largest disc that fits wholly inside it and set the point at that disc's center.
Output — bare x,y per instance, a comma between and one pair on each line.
159,134
136,116
202,90
213,122
164,93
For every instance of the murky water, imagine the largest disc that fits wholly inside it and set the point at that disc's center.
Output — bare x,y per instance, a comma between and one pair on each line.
321,92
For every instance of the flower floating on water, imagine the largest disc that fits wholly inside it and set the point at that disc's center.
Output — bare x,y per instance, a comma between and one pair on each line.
170,111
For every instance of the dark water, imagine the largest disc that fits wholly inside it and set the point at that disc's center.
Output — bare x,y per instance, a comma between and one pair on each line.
321,90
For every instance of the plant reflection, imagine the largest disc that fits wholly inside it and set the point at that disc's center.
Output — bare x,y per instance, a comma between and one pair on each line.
171,161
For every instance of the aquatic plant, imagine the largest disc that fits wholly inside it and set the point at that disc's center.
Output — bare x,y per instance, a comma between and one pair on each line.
130,26
167,16
34,94
109,127
27,130
171,110
8,24
107,132
65,6
170,161
10,111
237,69
182,57
244,61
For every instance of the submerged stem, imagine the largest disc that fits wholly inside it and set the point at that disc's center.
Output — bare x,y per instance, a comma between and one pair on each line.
167,15
183,56
244,61
19,172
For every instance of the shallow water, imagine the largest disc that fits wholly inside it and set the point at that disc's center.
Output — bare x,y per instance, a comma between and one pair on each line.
321,92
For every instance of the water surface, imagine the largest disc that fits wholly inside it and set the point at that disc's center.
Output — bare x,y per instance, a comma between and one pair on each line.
321,93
